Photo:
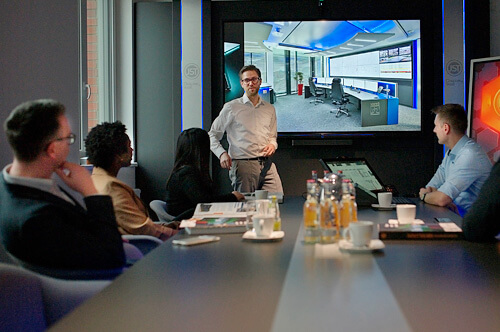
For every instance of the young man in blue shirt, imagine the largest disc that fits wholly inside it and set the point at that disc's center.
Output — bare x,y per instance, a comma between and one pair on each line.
465,167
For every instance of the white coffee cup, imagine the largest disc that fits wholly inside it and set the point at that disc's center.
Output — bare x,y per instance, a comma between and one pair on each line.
263,225
261,194
406,213
359,233
384,199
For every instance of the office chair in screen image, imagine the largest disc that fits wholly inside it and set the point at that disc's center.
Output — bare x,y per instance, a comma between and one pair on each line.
339,98
317,93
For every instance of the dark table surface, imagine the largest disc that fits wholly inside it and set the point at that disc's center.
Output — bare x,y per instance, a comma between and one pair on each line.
235,285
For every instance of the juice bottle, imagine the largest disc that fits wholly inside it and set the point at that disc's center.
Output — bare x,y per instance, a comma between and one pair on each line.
352,191
328,213
311,213
277,217
314,176
346,213
346,206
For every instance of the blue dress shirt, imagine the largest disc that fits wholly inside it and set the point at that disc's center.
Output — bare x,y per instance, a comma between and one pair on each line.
462,173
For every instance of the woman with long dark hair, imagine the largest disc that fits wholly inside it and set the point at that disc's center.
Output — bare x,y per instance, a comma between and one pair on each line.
190,182
108,149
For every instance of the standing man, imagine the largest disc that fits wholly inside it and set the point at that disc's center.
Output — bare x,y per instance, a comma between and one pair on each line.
39,222
465,167
250,124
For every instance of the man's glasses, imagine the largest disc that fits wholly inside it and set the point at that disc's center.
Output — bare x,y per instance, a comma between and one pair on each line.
71,138
254,80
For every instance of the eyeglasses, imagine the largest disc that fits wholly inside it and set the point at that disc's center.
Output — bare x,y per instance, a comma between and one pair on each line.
71,138
253,80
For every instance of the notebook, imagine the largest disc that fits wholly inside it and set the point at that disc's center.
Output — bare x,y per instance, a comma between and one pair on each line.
216,218
423,231
364,177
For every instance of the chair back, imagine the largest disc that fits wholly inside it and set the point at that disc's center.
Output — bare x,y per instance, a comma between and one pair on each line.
21,300
32,302
337,91
5,256
144,243
312,87
159,207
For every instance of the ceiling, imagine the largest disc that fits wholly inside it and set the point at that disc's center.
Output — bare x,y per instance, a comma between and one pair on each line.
328,38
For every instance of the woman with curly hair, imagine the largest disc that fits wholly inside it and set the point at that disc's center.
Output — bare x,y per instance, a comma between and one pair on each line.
190,182
108,149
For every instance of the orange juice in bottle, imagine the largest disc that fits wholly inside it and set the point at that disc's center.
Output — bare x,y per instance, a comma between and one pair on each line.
354,211
345,213
275,209
352,191
311,213
346,206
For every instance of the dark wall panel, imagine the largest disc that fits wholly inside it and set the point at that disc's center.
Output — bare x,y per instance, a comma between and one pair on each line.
39,58
157,91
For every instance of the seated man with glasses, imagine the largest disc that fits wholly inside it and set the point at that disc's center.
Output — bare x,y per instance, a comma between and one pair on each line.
40,223
250,124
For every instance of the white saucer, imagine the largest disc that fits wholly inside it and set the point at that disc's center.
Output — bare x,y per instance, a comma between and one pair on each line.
384,208
275,236
375,244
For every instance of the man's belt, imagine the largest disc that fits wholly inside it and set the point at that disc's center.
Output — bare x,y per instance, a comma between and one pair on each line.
256,158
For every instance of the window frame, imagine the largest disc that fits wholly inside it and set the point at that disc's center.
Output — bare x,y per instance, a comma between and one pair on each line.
106,83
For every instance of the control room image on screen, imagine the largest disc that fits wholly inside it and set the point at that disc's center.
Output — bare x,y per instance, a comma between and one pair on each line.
376,62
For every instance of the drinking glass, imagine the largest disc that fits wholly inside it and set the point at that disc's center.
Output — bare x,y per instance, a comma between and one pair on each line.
250,208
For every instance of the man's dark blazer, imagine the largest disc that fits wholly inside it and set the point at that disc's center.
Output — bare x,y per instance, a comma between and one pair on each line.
43,229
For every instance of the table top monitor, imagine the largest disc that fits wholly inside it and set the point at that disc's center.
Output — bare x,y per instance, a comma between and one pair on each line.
358,170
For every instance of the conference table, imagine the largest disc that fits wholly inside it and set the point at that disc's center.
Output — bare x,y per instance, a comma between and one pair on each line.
236,285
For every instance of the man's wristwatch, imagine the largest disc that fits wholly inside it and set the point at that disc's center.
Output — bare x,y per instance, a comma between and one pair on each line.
422,197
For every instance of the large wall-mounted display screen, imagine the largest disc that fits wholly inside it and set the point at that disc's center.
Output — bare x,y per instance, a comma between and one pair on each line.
378,63
484,104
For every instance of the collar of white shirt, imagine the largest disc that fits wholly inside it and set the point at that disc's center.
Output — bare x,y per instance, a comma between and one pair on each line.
47,185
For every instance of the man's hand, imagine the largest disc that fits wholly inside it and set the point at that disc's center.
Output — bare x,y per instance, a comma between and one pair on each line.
426,190
438,198
239,196
225,161
77,178
268,150
435,197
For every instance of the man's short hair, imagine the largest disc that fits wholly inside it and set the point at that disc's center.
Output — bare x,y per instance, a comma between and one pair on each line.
249,68
454,115
31,126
